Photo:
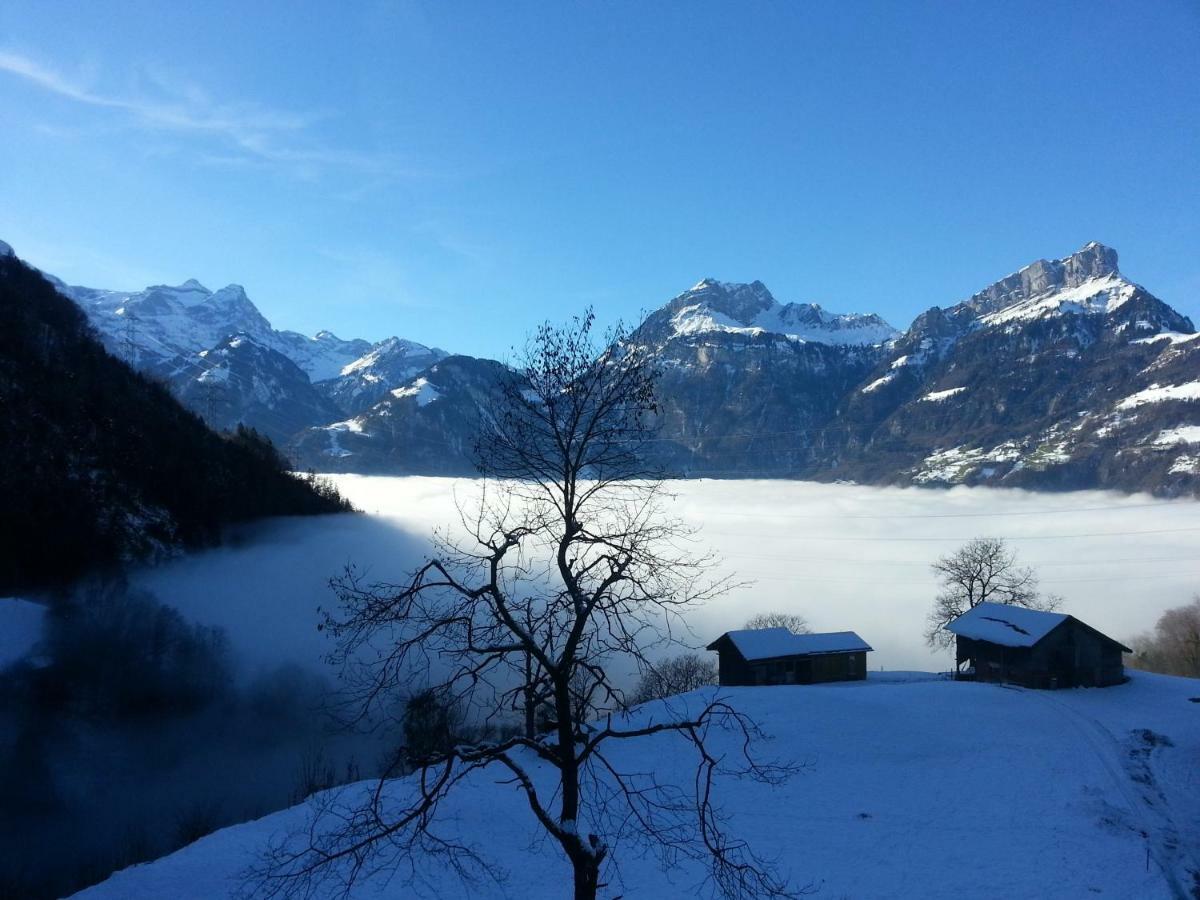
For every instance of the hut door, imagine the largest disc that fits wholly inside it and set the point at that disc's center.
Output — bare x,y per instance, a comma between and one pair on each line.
804,671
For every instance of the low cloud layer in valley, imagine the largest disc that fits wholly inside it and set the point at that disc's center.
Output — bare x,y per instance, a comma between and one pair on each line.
844,556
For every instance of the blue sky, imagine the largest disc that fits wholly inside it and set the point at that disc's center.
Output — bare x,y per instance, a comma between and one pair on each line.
455,172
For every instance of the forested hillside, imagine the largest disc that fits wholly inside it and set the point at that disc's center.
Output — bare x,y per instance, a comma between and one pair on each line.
98,464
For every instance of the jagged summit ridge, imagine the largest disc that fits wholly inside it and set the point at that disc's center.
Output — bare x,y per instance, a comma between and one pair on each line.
713,307
1092,269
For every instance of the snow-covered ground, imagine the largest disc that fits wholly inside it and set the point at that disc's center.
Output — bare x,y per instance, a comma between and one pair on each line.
20,628
847,557
913,787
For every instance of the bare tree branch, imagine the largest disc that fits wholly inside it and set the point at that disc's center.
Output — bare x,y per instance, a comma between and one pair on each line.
982,570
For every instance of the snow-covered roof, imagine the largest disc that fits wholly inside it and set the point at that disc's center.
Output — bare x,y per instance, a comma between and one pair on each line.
1001,623
768,643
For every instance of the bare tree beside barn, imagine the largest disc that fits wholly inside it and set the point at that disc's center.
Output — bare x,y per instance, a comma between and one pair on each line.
984,570
1173,648
676,675
793,622
570,565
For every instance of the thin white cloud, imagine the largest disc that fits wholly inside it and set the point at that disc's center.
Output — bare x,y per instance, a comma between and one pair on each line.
255,132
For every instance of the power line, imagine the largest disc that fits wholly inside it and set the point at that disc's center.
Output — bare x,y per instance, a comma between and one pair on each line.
959,537
801,576
1034,564
1161,504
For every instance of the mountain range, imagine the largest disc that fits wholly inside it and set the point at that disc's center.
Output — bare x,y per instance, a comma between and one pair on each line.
1064,374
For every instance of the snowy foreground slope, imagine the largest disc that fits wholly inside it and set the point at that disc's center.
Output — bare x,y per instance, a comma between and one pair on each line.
914,787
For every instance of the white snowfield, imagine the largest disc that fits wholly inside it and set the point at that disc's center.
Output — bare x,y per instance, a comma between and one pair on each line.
1094,296
879,382
801,322
1184,434
939,396
913,787
425,392
1158,393
20,628
1173,337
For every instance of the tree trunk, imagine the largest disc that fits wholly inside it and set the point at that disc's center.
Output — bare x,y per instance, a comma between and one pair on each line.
530,699
587,876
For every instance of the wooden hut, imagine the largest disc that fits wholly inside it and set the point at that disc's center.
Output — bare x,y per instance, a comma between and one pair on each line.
777,656
1034,648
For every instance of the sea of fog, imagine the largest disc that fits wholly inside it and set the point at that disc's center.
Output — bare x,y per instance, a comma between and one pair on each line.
846,557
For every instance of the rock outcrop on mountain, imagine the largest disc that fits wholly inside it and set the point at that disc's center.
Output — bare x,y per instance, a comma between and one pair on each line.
239,381
427,426
369,379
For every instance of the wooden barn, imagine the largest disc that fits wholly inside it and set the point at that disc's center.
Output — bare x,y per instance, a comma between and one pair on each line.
1034,648
777,656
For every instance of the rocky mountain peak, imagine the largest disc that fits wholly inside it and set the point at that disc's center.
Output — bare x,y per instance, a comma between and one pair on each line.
721,307
740,302
1094,260
1093,263
231,293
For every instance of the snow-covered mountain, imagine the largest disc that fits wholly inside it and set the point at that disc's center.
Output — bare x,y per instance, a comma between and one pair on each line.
1062,374
163,326
714,307
1037,381
426,425
222,358
240,381
368,379
324,355
726,350
1085,282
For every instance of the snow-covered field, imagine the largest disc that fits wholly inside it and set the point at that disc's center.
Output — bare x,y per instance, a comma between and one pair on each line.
913,788
845,556
20,628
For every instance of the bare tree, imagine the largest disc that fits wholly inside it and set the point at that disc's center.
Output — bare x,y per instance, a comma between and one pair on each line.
570,565
432,726
793,622
982,570
673,676
1174,646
